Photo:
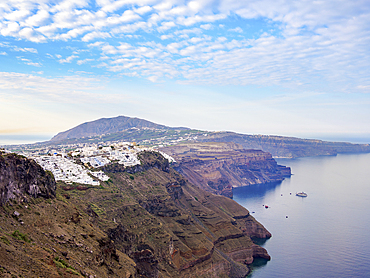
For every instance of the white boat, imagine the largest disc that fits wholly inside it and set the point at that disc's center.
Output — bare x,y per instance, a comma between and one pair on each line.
301,194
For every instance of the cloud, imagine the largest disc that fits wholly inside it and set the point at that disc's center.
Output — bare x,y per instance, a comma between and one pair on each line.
165,26
206,26
68,59
91,36
237,29
166,37
10,29
81,62
29,62
19,49
300,43
37,19
66,89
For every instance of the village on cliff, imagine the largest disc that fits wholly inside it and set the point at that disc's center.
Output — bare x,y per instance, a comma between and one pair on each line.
82,165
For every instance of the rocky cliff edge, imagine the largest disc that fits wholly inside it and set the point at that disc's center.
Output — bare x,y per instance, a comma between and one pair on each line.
21,178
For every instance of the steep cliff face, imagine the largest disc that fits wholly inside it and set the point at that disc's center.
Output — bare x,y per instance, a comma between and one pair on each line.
218,167
146,221
21,178
171,228
174,229
289,147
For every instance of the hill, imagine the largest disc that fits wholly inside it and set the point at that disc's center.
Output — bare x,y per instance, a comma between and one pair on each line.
107,126
147,133
146,221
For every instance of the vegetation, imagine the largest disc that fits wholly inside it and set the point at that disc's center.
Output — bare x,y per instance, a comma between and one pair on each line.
5,240
18,235
62,264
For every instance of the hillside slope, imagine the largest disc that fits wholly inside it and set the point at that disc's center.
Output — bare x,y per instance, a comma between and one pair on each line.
219,167
147,221
148,133
106,126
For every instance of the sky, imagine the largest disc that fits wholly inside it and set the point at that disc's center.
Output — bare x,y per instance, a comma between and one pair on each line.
292,68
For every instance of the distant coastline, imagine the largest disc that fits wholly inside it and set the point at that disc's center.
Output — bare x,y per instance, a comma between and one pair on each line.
16,139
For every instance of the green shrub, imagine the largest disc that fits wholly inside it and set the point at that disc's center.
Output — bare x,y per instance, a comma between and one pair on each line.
59,262
18,235
72,271
132,177
5,240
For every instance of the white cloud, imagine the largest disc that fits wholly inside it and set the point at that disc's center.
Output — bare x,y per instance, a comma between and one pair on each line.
166,37
166,25
143,10
68,59
19,49
93,35
34,64
37,19
84,61
237,29
29,62
67,89
17,15
31,35
298,40
191,20
10,29
206,26
153,78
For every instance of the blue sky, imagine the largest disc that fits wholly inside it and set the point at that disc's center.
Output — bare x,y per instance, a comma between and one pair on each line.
296,68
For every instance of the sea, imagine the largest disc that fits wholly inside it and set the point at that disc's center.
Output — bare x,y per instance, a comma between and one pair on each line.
327,233
16,139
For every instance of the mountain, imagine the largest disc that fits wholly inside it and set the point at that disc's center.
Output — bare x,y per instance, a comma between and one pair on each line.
107,126
146,221
147,133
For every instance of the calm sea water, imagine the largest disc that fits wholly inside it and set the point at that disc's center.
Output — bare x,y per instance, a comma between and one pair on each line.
326,234
11,139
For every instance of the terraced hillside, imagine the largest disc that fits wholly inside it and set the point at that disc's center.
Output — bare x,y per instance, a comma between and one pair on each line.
219,167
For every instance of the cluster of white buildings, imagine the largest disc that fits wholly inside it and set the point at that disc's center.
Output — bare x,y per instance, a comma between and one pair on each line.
65,168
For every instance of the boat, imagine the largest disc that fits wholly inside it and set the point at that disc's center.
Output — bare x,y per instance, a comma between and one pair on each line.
301,194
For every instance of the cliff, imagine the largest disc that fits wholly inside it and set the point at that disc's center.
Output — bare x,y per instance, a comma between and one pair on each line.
147,221
218,167
287,147
21,178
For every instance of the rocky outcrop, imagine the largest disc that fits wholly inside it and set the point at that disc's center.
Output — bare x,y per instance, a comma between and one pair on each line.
218,167
22,178
288,147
